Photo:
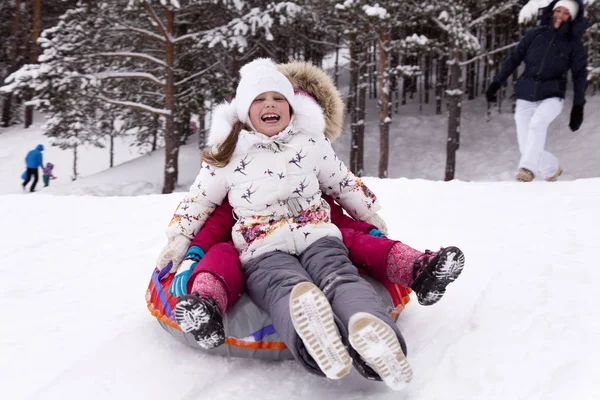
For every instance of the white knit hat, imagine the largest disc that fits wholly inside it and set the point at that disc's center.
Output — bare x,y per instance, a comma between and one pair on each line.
571,5
256,77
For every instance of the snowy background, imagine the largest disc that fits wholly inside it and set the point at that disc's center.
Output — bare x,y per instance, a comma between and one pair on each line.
521,322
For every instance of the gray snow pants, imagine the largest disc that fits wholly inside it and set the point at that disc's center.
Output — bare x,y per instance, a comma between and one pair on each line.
271,277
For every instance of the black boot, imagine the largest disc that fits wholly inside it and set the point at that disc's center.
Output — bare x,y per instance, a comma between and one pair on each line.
201,317
434,271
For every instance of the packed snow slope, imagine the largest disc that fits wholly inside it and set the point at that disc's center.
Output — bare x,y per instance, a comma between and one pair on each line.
522,321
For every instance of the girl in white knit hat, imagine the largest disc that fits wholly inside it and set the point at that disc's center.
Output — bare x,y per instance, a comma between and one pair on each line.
271,160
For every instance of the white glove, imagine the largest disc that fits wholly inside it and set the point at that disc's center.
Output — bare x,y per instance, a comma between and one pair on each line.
174,251
378,222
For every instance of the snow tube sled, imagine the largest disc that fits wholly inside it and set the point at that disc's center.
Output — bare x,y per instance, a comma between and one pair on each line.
250,333
24,175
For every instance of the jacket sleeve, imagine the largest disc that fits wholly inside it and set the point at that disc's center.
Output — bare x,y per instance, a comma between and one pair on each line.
206,193
579,73
217,228
338,181
40,159
515,58
342,221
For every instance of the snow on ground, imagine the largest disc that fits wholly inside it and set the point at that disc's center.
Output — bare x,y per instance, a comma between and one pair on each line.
520,323
16,142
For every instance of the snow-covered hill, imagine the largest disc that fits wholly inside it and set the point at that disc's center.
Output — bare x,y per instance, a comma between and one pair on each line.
521,322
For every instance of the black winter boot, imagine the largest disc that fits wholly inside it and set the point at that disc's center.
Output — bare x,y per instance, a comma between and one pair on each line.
201,317
434,271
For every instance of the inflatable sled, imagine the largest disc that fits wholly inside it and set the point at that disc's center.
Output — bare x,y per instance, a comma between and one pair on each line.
250,333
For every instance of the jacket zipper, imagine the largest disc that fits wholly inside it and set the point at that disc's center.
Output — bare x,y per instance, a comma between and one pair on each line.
537,81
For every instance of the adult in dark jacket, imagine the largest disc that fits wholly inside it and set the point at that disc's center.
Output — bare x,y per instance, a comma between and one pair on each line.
549,51
33,160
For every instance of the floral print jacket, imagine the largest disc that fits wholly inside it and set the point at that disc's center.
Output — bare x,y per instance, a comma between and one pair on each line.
274,185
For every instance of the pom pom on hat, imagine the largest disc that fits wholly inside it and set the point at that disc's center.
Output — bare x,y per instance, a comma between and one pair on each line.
256,77
570,5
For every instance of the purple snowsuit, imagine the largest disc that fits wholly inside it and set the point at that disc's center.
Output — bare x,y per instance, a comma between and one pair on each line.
271,277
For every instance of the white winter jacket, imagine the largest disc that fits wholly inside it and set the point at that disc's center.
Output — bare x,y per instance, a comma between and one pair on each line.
274,185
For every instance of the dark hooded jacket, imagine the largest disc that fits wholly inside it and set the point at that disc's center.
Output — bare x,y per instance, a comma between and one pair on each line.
548,54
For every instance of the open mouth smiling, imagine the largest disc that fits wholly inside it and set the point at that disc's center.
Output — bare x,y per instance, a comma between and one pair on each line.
270,118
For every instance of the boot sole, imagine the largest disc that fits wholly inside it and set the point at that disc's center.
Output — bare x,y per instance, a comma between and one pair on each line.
191,315
447,270
377,344
312,317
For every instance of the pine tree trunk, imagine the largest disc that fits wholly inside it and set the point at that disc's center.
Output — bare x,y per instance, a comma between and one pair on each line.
74,177
352,101
155,125
6,109
454,111
172,140
426,78
35,33
336,76
384,107
202,131
440,83
363,82
111,161
471,80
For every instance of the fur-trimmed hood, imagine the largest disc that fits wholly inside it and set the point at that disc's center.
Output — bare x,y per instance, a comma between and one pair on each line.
318,106
317,83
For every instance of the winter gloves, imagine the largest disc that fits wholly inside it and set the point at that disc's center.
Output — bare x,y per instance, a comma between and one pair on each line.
376,233
378,222
178,287
490,94
173,253
576,117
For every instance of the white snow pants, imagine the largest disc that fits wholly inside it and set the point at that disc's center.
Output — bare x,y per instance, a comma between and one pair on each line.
533,119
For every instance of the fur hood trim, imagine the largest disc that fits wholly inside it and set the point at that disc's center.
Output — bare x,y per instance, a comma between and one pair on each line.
305,77
319,84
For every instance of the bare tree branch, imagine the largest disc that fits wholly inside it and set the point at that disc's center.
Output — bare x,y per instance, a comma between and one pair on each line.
138,30
152,13
508,4
488,54
133,55
128,75
193,76
136,106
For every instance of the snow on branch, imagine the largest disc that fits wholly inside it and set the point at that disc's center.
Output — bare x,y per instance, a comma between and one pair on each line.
121,27
133,55
161,26
509,46
493,12
197,74
128,75
530,10
375,11
137,106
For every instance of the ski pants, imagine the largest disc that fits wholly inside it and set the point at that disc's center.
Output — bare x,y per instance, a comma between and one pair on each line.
533,119
31,172
271,277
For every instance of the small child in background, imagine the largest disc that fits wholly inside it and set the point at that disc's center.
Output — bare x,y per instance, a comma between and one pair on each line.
47,175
